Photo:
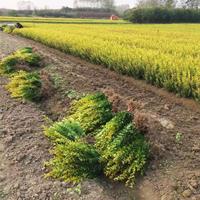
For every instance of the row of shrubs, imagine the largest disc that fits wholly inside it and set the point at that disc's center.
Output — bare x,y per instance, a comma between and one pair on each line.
92,140
23,83
162,15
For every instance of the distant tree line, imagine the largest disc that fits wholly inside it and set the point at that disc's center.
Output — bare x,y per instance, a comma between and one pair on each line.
163,15
164,11
190,4
105,9
63,12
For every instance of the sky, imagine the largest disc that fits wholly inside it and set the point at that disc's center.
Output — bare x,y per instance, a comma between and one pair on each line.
12,4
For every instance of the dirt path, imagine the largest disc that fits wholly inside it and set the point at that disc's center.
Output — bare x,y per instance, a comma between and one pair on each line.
174,171
23,151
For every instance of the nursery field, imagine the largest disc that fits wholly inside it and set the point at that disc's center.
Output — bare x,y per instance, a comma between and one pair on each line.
164,55
60,20
98,111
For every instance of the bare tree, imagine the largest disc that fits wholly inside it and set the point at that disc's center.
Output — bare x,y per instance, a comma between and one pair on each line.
169,3
149,3
25,5
192,3
157,3
110,4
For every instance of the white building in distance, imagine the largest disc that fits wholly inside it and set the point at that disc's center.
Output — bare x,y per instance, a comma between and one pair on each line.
87,4
25,5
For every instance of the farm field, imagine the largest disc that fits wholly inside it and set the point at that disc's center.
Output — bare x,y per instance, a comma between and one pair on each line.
97,111
60,20
164,55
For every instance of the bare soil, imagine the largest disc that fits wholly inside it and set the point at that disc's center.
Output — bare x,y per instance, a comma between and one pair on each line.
173,131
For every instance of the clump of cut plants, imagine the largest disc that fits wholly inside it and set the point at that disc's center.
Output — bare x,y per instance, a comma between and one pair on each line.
25,50
74,161
25,85
59,132
24,56
91,111
2,27
118,149
8,29
27,56
7,65
123,150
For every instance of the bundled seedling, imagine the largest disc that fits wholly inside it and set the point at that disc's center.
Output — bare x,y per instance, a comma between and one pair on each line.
25,85
123,149
8,29
91,111
25,50
27,56
21,57
74,161
119,148
59,132
7,65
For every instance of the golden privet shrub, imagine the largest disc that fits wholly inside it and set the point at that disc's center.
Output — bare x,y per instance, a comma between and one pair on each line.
64,130
25,85
123,150
24,56
74,161
91,112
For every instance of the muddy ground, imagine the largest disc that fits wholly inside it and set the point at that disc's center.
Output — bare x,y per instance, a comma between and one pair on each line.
173,133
